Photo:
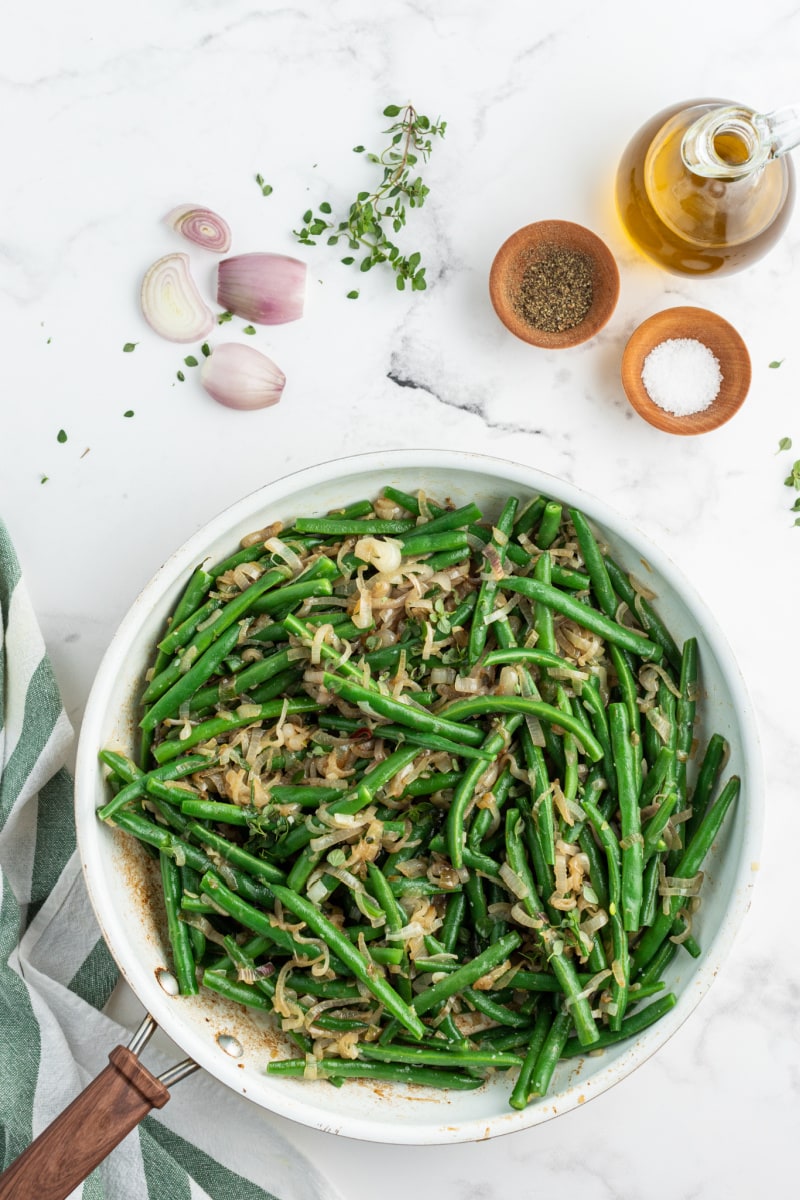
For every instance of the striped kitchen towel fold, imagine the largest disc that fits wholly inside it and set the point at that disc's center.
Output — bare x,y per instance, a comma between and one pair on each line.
56,974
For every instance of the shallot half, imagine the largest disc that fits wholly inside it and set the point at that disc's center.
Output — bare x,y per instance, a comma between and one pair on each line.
242,377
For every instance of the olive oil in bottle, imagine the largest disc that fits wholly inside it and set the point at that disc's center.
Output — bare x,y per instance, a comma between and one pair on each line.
703,188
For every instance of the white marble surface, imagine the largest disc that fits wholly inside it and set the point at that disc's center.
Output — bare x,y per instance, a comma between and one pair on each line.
115,114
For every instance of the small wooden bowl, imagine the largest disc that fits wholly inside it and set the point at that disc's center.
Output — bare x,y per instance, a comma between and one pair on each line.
530,243
724,343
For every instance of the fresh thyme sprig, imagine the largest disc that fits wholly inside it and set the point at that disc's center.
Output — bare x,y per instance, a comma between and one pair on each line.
399,190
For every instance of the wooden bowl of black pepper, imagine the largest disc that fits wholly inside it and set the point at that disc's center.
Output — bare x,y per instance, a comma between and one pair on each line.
554,284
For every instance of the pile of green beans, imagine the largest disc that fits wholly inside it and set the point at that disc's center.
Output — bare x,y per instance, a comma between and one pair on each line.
440,813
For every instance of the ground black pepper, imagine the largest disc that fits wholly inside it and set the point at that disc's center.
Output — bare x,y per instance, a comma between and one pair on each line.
555,290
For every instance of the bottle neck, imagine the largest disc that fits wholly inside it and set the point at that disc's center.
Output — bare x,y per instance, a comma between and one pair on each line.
725,143
732,141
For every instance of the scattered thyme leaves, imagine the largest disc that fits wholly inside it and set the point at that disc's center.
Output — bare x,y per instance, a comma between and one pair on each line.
792,480
353,295
44,479
180,376
223,317
776,363
129,347
249,329
266,188
190,360
61,436
129,413
784,444
205,350
371,213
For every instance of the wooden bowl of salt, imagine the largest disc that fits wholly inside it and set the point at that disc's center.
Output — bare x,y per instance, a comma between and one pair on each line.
686,370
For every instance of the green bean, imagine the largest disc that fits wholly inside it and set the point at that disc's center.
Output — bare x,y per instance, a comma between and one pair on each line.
462,797
483,819
475,706
377,778
374,703
182,957
426,1055
239,993
199,583
630,823
359,508
626,682
455,518
460,613
184,851
566,577
633,1024
657,965
522,1088
342,527
232,613
352,959
395,920
404,499
190,885
651,833
207,730
290,595
539,658
650,883
138,785
582,614
453,921
595,565
685,715
549,525
466,974
514,553
551,1051
431,543
650,620
562,967
426,785
277,632
528,516
121,765
478,906
179,635
707,776
690,862
488,588
493,1009
243,859
170,701
427,741
447,558
395,1072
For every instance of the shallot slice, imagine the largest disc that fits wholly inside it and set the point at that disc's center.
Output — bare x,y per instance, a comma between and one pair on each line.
171,303
201,226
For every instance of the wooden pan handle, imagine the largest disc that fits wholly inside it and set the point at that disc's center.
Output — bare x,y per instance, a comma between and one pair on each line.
95,1122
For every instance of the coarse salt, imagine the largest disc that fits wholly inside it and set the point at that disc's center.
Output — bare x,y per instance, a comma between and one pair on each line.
682,376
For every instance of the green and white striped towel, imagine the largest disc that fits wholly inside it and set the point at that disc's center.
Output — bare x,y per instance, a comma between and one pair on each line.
56,974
